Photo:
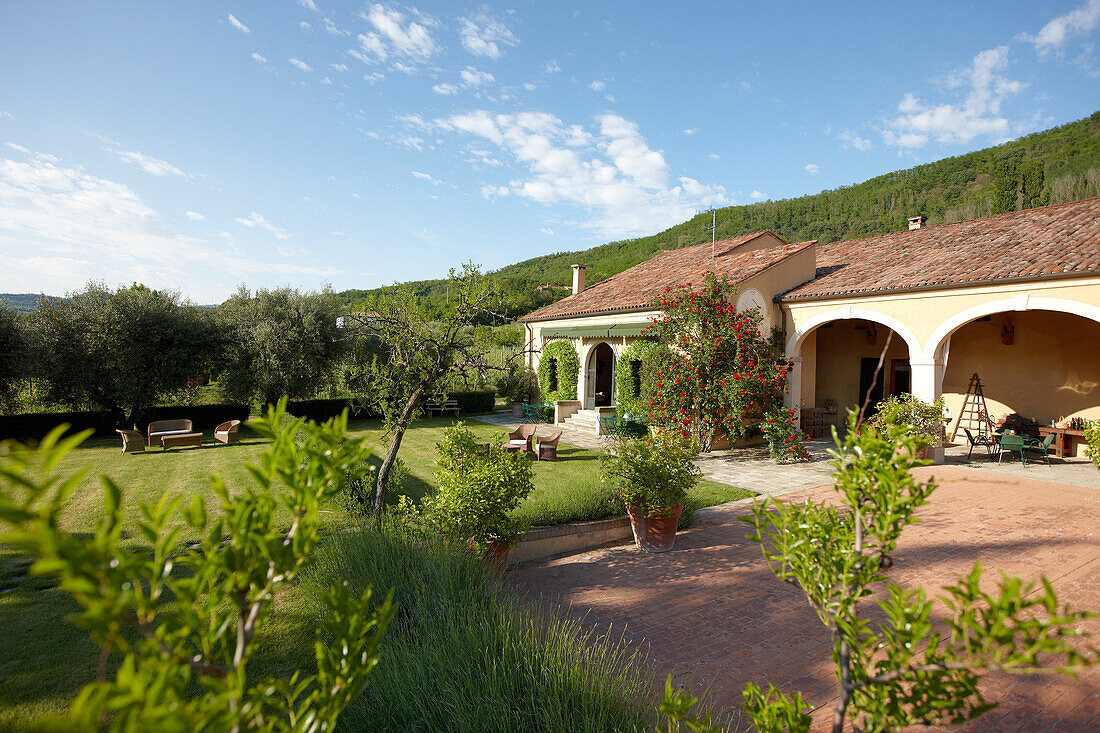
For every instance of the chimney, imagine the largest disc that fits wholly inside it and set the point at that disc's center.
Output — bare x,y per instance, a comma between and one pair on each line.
916,222
578,279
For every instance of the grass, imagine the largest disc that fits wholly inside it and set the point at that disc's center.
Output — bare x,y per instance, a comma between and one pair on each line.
44,660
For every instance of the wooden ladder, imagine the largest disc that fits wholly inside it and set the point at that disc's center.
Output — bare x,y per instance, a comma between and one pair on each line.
974,414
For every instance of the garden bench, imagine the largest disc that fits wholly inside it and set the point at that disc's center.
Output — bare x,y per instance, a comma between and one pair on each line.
442,408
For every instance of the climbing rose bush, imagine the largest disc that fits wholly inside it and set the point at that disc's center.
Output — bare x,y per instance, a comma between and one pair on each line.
784,439
722,372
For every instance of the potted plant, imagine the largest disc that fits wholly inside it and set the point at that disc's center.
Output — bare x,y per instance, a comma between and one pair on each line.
518,386
922,419
478,487
652,476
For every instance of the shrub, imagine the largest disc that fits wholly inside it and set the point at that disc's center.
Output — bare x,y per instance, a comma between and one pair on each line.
321,410
520,384
653,473
784,439
558,371
478,486
1092,435
474,401
920,419
629,377
465,655
185,637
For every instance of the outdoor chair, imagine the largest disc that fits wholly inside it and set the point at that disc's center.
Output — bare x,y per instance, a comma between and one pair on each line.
546,449
132,442
1012,444
519,440
159,428
227,432
1042,448
982,441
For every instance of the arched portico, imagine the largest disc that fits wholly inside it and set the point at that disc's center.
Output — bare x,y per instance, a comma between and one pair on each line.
597,377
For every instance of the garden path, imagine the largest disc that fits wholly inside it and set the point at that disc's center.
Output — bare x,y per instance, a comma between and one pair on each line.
711,613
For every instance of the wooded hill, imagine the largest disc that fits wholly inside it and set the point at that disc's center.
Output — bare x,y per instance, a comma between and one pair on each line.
1061,164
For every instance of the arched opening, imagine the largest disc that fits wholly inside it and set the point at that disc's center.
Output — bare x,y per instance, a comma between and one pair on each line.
600,377
1039,365
840,366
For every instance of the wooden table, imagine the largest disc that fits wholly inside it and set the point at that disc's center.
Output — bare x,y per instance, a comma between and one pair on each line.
182,439
1063,438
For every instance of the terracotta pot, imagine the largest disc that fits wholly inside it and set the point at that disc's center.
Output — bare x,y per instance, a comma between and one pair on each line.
517,409
654,534
496,557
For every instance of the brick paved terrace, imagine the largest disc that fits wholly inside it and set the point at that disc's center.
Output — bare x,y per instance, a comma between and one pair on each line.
712,614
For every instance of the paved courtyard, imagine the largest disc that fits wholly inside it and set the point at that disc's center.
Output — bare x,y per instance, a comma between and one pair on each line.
712,614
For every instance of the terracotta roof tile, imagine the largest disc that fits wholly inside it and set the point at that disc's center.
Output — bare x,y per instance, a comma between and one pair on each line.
640,285
1063,239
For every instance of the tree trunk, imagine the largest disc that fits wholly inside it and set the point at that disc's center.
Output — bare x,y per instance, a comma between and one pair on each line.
391,454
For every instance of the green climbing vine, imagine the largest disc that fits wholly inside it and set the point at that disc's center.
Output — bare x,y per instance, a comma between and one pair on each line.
558,371
629,376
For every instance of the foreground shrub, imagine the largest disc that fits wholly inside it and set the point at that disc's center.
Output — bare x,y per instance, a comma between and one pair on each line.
464,655
923,420
653,473
184,622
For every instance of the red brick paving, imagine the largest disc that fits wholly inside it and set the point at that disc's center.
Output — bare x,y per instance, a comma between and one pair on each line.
713,615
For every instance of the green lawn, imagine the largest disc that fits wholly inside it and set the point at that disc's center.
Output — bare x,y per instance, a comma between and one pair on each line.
44,660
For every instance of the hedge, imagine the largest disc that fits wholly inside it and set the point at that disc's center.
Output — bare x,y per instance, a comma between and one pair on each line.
34,426
627,399
321,410
474,401
559,363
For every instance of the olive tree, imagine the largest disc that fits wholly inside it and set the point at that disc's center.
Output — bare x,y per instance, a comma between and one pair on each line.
278,343
12,355
119,350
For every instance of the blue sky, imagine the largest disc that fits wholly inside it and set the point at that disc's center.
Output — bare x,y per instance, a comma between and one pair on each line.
198,146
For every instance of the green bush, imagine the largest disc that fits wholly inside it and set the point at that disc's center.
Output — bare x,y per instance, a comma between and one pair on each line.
924,420
1092,435
519,384
478,486
629,377
652,473
558,371
474,401
463,655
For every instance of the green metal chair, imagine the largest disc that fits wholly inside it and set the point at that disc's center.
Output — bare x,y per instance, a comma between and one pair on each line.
1042,448
1013,444
983,441
533,413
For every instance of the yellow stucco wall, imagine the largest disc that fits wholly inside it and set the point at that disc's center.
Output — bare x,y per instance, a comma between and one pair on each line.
1051,371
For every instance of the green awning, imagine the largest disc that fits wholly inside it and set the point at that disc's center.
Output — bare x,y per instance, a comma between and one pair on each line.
595,332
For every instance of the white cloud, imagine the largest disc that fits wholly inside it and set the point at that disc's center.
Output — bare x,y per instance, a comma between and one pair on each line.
978,115
395,35
332,30
1053,36
373,78
195,216
714,156
484,35
256,221
326,80
812,169
299,64
691,131
551,66
427,177
61,226
757,195
146,163
547,231
259,58
308,5
445,89
404,68
238,24
4,114
530,86
611,171
339,67
15,146
597,86
849,139
305,26
473,78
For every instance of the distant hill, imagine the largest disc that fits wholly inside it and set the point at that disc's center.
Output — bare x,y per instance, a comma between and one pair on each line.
23,303
1061,164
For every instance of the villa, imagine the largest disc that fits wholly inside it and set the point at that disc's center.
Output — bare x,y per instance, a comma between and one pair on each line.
1014,298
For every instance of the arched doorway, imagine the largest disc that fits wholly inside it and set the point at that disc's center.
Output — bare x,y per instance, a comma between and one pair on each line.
599,377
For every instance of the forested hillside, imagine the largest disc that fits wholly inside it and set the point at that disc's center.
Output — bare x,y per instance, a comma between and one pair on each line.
1061,164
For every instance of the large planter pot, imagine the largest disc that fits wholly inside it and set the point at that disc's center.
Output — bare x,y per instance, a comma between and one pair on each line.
496,557
654,534
517,409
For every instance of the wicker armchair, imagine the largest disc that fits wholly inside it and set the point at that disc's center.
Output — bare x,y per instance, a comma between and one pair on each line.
132,442
546,449
227,432
519,440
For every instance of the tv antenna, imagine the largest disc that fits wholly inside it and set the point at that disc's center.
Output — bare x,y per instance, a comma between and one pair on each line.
713,227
